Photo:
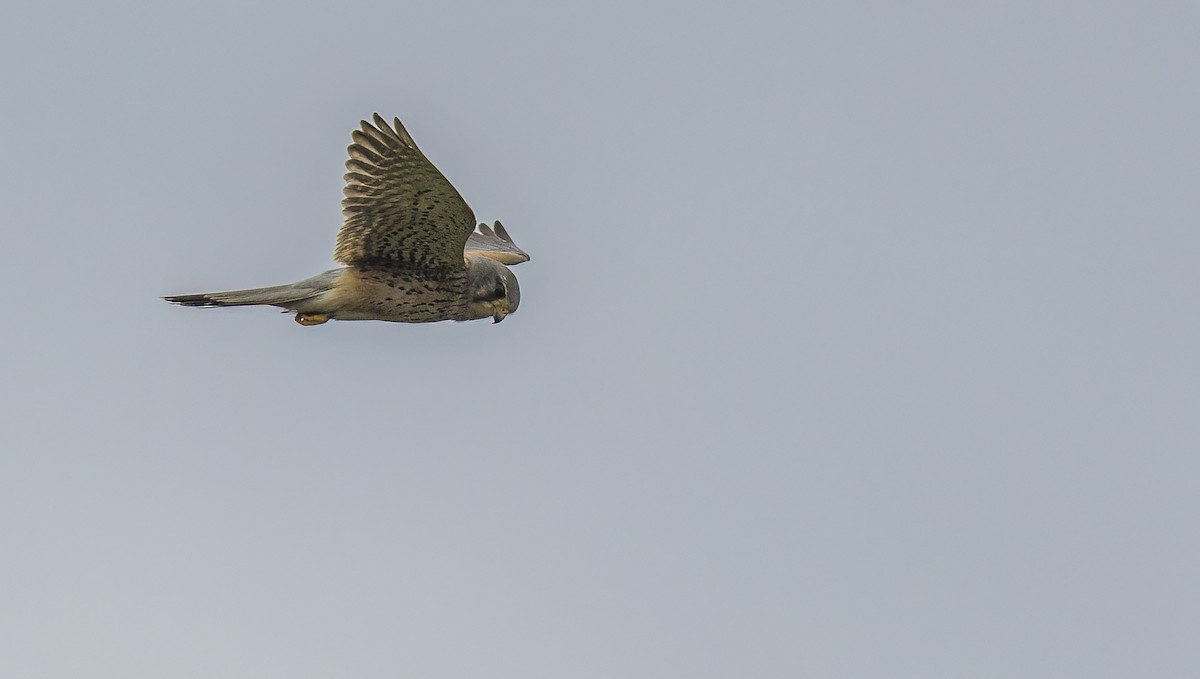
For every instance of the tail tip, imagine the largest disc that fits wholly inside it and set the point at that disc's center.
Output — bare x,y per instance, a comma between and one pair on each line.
192,300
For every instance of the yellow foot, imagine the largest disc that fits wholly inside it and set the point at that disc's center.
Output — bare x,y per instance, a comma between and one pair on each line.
311,319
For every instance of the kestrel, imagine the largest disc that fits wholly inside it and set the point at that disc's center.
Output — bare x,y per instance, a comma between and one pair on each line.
409,243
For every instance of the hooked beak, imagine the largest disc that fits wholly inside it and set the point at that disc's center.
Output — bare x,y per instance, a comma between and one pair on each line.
501,310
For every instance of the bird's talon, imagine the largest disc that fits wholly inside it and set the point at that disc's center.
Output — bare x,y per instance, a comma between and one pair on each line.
311,319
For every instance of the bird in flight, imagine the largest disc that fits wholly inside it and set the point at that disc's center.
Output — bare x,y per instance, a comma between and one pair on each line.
410,244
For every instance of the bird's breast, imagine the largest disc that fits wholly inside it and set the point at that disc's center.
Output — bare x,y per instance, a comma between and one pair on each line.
396,295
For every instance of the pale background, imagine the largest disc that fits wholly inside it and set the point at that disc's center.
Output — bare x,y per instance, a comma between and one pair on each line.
859,340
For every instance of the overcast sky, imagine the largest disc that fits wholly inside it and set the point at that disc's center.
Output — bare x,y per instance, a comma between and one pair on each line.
859,340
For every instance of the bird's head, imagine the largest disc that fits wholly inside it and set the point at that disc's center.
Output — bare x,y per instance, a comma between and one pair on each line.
492,289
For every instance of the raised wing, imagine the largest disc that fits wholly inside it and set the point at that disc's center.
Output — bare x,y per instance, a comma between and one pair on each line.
496,244
399,209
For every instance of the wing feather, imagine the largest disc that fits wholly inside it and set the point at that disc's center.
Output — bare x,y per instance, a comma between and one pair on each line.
496,244
399,210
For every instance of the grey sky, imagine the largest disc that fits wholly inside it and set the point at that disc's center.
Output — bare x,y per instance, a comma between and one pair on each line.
859,340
